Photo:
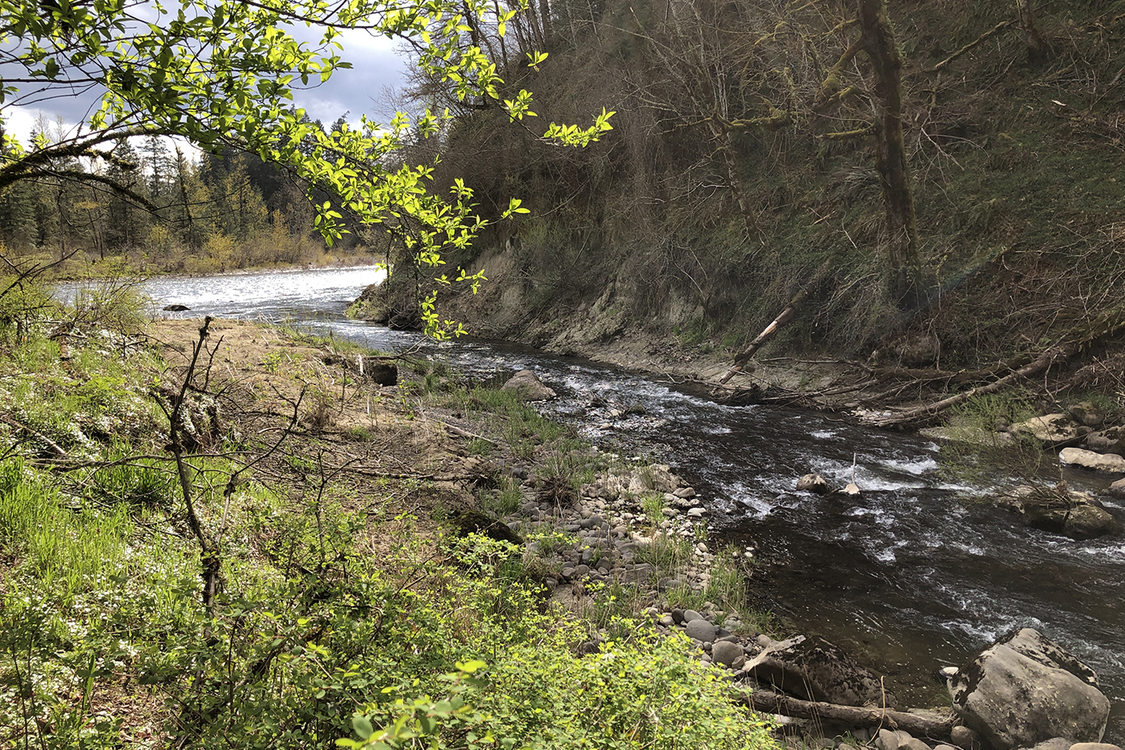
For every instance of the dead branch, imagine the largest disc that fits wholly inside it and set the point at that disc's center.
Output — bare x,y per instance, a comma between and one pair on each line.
1107,325
982,38
212,564
856,716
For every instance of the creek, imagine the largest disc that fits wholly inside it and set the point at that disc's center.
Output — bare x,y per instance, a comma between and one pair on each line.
918,572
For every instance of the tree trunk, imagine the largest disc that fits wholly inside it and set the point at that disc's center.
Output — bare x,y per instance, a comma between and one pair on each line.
782,318
878,41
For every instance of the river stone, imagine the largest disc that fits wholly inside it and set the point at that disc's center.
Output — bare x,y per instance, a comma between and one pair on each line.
176,308
728,654
1110,462
1093,746
527,387
1086,413
1106,441
963,737
1025,689
1062,511
815,669
889,739
1058,743
814,483
701,630
691,614
1052,429
1117,489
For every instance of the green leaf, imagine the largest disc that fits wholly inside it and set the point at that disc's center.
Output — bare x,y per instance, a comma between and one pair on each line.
362,726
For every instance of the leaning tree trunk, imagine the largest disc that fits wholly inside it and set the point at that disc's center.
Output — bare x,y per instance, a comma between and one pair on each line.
878,41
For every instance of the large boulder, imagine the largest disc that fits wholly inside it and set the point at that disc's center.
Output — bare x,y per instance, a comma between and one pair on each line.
1025,689
814,669
1051,429
1117,489
1107,441
527,387
1109,462
1062,511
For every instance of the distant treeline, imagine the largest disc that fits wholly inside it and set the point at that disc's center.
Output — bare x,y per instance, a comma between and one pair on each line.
159,208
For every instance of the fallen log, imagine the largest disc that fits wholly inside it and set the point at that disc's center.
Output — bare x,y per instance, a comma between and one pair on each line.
934,726
782,318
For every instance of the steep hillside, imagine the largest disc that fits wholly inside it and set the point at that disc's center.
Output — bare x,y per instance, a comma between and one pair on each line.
742,170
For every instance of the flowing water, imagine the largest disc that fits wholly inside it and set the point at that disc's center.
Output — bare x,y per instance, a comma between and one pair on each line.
916,573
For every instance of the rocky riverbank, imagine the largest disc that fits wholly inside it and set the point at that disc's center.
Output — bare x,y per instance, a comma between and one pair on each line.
1021,692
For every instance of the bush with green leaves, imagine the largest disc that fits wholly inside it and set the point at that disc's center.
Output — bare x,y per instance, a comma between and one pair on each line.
644,691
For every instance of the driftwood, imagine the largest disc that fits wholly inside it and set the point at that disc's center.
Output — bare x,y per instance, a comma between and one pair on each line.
1108,325
935,727
782,318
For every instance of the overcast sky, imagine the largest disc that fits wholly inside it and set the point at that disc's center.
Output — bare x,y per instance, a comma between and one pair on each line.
378,69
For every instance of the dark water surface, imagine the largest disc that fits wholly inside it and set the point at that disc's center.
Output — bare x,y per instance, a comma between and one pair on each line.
916,573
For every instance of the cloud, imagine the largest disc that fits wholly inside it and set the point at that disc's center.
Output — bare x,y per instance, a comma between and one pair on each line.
378,69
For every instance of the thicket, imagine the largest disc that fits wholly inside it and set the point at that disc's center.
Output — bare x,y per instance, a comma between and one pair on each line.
742,169
340,609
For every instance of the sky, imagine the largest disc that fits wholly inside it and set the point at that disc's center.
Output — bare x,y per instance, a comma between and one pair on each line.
378,70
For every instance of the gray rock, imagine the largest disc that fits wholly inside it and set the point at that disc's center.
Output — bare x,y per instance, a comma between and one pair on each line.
667,621
696,513
637,573
963,737
1106,441
1086,413
887,739
1026,689
1052,429
684,493
1093,746
813,483
1062,511
1117,489
728,654
1058,743
1108,462
701,630
527,387
814,669
691,614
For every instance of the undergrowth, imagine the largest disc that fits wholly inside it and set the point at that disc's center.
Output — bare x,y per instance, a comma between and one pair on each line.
343,611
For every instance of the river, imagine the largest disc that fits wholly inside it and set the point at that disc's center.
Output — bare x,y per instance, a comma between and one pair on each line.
916,573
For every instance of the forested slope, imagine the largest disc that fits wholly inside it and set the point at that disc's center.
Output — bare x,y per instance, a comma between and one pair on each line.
742,169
